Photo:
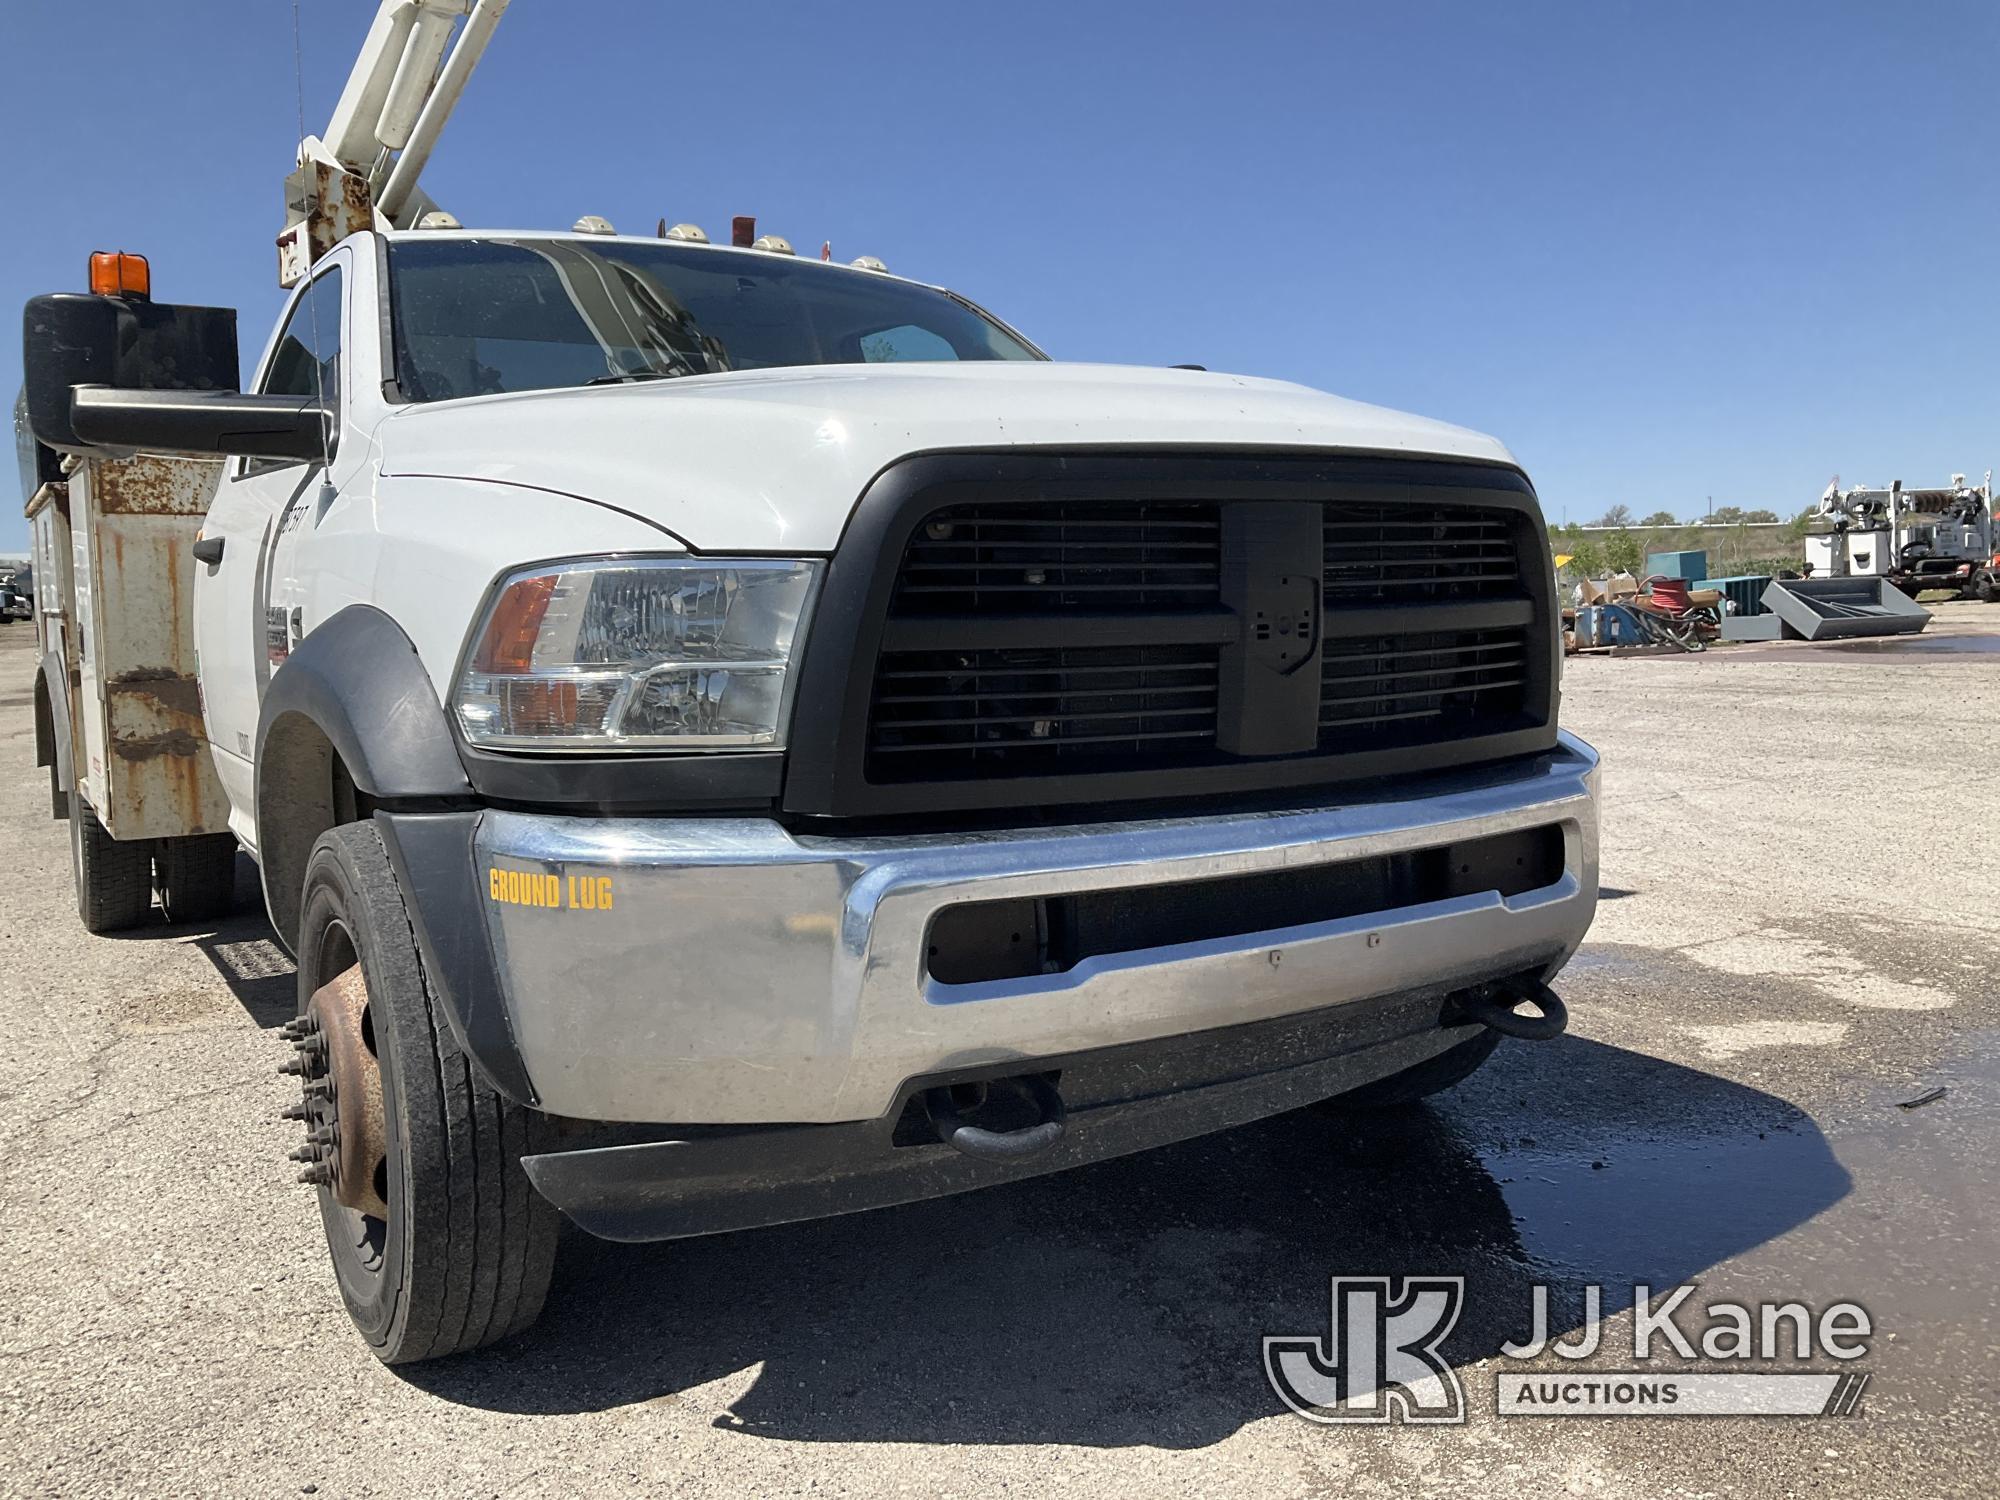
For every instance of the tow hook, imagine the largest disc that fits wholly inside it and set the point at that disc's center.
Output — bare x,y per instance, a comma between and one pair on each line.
948,1103
1494,1009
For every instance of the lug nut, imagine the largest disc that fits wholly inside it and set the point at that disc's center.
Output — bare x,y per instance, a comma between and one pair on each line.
298,1111
317,1175
321,1137
293,1065
303,1153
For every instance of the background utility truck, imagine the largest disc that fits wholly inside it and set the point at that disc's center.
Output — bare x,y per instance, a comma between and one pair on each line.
1942,538
730,738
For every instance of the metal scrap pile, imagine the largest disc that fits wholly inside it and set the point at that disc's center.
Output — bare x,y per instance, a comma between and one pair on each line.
1622,613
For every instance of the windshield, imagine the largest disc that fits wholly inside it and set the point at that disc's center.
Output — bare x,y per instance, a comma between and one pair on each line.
476,317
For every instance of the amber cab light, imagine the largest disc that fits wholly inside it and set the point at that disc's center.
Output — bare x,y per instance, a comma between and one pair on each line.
116,273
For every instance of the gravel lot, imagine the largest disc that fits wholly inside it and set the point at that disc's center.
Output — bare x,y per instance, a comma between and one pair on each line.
1800,931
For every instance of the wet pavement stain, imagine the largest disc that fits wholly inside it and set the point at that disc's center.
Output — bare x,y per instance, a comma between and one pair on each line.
1920,645
1650,1209
1878,648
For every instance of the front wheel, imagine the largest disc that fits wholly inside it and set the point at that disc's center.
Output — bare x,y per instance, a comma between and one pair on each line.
438,1241
1432,1076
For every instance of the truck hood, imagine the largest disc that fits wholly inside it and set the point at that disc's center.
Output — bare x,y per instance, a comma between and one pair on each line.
774,460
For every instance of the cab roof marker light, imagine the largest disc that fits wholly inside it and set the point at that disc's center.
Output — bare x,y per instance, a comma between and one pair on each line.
118,273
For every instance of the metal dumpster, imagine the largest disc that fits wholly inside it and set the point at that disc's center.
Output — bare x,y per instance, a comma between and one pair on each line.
1833,609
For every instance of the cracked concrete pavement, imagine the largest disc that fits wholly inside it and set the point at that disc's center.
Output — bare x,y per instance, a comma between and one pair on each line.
1798,933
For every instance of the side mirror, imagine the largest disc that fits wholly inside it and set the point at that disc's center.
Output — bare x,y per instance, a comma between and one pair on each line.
203,423
124,343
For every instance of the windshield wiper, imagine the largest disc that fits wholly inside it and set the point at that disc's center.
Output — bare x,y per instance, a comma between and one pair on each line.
624,377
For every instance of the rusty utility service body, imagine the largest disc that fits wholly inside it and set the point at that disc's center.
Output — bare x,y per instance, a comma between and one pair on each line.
732,738
117,707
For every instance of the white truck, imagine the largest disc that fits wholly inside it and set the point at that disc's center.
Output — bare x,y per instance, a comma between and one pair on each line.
1918,539
730,738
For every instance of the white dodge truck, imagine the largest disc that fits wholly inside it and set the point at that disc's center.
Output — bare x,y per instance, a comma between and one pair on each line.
730,738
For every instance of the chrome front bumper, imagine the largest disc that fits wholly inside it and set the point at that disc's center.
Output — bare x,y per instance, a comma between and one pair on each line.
729,971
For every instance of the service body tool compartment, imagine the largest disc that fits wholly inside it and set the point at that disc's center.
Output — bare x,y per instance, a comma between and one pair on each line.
142,757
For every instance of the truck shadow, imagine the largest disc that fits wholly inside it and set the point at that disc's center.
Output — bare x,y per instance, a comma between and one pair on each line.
242,948
1124,1303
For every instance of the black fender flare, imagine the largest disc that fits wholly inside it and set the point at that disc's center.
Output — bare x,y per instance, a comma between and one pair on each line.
56,751
52,729
354,688
358,677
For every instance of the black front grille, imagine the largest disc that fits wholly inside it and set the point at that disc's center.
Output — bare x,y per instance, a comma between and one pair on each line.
1056,559
1034,710
1001,632
1028,712
1384,553
1411,689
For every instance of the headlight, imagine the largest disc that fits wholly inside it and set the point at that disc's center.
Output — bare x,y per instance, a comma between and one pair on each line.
638,654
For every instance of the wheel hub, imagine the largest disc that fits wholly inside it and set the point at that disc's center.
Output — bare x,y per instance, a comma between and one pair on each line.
342,1109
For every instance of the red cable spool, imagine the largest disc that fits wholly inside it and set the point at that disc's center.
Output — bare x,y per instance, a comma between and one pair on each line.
1670,594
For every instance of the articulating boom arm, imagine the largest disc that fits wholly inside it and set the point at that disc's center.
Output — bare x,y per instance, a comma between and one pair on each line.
364,171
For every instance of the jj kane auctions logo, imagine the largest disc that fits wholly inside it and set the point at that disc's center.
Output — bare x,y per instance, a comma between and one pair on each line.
1379,1359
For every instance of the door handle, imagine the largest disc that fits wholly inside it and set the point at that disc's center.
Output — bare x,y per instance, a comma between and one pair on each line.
208,549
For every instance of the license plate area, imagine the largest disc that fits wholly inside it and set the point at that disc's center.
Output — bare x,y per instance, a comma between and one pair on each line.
1011,939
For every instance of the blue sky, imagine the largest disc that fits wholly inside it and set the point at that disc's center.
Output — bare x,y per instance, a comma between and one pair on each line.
1666,252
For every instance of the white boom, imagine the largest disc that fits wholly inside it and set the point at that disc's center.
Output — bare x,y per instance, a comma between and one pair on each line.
364,170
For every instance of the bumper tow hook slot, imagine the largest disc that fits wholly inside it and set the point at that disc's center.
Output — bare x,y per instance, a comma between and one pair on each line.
1498,1013
1001,1145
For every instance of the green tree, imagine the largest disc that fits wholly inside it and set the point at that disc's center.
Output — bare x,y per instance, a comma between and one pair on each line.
1622,551
1587,557
1760,515
1618,515
1661,518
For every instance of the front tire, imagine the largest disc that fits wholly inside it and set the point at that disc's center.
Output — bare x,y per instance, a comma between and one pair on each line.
114,881
464,1256
1432,1076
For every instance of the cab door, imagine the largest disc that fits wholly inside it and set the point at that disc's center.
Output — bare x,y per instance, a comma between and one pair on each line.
241,632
